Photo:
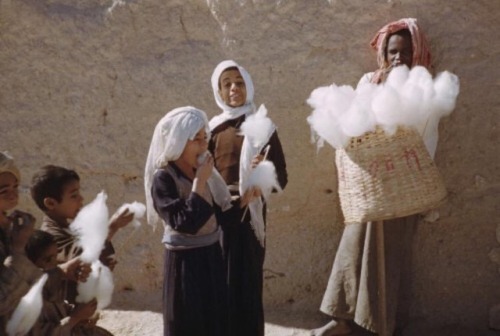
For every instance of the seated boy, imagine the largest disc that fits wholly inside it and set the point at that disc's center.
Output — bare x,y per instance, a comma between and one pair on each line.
56,191
17,273
57,316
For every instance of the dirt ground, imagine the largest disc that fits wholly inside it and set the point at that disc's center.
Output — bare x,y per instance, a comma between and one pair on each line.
142,317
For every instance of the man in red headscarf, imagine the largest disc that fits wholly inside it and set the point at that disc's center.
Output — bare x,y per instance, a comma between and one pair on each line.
351,294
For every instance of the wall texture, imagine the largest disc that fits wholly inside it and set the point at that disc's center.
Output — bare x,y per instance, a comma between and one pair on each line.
83,83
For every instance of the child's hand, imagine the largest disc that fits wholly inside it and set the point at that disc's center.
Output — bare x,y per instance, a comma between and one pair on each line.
76,270
257,159
119,220
23,225
84,311
249,195
110,262
204,170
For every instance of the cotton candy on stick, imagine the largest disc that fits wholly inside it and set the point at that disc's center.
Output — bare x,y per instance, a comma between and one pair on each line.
264,177
91,227
99,285
28,310
258,128
137,208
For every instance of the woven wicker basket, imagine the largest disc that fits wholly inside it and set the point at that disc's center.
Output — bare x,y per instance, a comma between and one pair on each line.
383,177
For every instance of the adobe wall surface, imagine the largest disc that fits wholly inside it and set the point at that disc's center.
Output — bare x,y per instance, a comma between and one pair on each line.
83,83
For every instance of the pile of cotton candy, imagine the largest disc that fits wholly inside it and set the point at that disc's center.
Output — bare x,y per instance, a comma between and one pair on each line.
28,310
410,98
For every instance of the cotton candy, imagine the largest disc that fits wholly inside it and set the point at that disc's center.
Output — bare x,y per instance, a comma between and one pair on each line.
257,127
138,209
28,310
264,177
99,285
409,98
91,228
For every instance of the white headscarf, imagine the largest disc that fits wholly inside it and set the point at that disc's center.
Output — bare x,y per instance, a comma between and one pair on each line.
228,112
247,150
167,144
7,165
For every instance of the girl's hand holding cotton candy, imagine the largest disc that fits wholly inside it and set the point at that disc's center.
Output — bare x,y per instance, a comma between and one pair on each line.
257,159
205,168
250,194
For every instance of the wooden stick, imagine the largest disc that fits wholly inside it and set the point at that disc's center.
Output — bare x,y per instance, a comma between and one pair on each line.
382,297
244,213
266,151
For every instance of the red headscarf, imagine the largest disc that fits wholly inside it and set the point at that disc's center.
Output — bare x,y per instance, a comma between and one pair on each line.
421,54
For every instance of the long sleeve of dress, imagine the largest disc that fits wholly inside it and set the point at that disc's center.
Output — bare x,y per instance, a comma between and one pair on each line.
183,215
277,156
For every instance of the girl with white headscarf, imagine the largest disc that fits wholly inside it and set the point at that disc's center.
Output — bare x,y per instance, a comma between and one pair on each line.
234,157
186,194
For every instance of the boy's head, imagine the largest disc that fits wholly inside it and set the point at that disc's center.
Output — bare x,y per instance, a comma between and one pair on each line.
56,191
41,249
9,183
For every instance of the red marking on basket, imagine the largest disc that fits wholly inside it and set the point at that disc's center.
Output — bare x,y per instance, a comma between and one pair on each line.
412,156
389,165
374,168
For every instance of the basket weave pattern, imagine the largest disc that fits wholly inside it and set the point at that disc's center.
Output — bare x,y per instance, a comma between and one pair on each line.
383,177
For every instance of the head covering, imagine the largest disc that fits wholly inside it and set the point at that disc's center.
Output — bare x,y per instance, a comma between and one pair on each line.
228,112
7,165
421,54
167,144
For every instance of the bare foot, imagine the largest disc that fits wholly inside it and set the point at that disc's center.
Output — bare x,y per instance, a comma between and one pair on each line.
332,328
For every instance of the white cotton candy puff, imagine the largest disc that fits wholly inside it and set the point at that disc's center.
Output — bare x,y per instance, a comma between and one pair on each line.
99,285
330,103
419,97
446,87
137,208
263,176
28,310
387,106
91,228
258,127
398,76
327,127
318,97
359,119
